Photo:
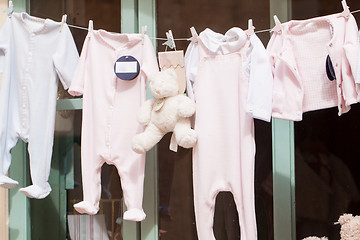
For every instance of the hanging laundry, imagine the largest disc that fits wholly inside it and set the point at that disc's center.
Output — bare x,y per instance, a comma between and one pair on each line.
299,51
228,74
111,77
33,53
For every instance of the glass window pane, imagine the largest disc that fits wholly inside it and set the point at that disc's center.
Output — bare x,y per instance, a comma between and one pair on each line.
326,147
176,205
327,183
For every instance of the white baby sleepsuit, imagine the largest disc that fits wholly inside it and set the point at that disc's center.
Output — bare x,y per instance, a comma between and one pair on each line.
33,54
231,79
110,107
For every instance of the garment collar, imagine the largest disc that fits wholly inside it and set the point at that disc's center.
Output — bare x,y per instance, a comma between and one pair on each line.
233,40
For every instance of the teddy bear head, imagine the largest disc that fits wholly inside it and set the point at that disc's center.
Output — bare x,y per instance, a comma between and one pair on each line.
164,84
350,227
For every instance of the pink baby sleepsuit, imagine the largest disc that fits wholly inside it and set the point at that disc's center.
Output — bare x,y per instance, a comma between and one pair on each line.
34,54
232,83
299,52
110,107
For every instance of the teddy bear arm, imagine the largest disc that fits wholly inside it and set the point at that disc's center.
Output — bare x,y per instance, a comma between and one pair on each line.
186,107
144,113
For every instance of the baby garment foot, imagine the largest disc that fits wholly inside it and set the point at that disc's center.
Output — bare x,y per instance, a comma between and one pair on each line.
7,182
86,207
188,140
134,215
35,191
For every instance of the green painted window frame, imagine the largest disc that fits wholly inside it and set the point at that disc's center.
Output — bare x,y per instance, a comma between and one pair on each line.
134,14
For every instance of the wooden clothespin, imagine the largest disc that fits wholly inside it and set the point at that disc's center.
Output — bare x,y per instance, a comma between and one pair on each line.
143,32
194,35
250,30
10,9
170,42
63,21
346,12
277,27
91,26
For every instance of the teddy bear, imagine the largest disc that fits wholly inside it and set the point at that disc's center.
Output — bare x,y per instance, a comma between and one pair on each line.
167,111
315,238
350,227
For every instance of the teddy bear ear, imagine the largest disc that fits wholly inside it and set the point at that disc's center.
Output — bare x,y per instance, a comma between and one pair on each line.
345,218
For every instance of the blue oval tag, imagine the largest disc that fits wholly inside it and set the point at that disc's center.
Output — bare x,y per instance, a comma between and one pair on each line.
127,68
330,72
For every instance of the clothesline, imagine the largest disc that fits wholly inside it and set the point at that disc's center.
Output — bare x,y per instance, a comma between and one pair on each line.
186,39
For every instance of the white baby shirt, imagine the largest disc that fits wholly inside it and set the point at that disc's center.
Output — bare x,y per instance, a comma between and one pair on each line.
34,53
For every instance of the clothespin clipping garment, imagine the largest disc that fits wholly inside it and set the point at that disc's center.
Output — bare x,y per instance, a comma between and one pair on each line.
346,11
277,27
10,9
170,42
194,35
143,32
63,21
251,28
91,26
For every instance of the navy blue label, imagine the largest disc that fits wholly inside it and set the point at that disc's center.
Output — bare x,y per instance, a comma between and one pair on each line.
127,68
330,72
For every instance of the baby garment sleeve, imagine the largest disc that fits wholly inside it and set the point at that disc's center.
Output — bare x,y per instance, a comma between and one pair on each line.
66,57
349,61
191,67
350,47
149,61
357,77
258,69
149,64
5,33
77,84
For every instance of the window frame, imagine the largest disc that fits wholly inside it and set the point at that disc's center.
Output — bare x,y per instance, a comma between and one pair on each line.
134,14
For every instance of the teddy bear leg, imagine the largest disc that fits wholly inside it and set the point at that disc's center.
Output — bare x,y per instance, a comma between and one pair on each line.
185,136
146,140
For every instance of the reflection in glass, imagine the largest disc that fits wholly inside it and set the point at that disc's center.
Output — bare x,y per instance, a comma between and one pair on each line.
327,183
